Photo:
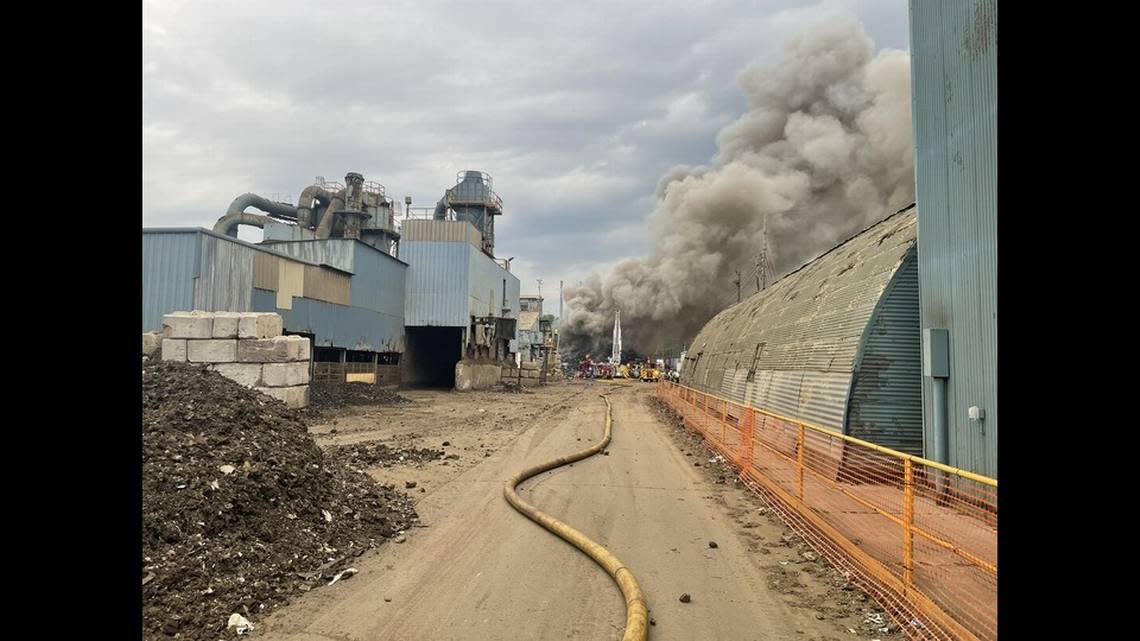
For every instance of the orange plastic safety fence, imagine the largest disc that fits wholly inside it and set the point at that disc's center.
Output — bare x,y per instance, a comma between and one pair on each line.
918,538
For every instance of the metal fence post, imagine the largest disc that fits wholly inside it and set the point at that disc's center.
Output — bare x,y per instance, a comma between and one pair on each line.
746,446
908,522
800,461
723,421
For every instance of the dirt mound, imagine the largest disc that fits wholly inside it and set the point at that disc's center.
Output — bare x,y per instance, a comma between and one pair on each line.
241,510
328,396
364,455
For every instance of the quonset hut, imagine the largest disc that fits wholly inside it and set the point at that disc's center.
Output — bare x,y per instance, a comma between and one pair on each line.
835,343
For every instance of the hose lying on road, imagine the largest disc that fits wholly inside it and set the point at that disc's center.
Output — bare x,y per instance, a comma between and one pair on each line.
637,612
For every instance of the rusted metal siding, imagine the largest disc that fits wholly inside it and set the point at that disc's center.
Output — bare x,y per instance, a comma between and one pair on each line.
801,335
266,268
441,231
954,89
169,267
325,284
885,406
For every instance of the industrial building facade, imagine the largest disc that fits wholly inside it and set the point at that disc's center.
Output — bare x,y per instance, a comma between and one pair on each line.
835,343
329,267
461,302
954,90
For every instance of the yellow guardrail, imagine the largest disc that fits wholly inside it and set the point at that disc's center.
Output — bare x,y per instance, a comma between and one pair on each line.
919,535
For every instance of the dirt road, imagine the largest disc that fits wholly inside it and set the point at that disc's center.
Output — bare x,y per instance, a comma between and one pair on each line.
481,571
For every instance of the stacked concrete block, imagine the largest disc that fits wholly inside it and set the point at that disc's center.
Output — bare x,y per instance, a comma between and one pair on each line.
152,341
245,347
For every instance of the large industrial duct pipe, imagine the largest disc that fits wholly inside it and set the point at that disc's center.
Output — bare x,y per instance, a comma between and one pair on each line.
236,215
305,203
324,229
228,224
440,209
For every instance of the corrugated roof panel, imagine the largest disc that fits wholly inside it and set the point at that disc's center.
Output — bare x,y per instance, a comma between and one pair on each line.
885,405
809,324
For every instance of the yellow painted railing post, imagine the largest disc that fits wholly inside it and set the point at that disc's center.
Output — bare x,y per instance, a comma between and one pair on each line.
908,522
800,461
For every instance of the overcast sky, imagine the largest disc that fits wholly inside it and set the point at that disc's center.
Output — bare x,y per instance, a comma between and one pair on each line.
575,108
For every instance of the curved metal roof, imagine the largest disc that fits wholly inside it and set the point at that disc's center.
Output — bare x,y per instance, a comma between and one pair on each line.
792,348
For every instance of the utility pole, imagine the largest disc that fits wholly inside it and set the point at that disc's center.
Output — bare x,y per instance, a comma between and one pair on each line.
539,287
763,271
737,283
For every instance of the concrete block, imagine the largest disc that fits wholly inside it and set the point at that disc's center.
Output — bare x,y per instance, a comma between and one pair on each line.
299,348
286,374
248,374
222,350
152,341
188,325
174,349
470,375
226,324
279,349
259,325
530,365
295,397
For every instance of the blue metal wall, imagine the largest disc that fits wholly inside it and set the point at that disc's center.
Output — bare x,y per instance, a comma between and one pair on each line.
451,281
486,285
954,88
169,267
379,281
334,325
885,406
436,293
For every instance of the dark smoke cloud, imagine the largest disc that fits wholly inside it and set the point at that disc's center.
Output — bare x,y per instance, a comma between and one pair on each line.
824,150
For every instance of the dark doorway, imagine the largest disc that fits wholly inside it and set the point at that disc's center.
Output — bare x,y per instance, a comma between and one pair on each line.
431,355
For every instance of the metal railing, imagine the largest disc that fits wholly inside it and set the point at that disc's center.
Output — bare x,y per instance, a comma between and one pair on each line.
919,536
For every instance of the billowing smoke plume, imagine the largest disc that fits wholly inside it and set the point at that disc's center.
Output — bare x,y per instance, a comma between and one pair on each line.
824,151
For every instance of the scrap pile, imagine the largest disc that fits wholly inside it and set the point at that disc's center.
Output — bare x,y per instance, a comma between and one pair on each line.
241,509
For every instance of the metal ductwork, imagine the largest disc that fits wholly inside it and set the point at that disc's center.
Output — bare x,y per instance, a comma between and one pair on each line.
311,194
347,205
236,215
324,229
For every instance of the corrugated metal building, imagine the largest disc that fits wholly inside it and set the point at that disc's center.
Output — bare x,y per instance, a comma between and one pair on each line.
954,89
342,292
453,287
835,343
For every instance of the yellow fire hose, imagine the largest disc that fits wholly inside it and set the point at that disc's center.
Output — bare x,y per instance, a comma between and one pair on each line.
637,612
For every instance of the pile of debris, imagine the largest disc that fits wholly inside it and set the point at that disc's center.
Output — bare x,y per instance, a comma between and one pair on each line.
361,456
241,510
513,387
328,396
